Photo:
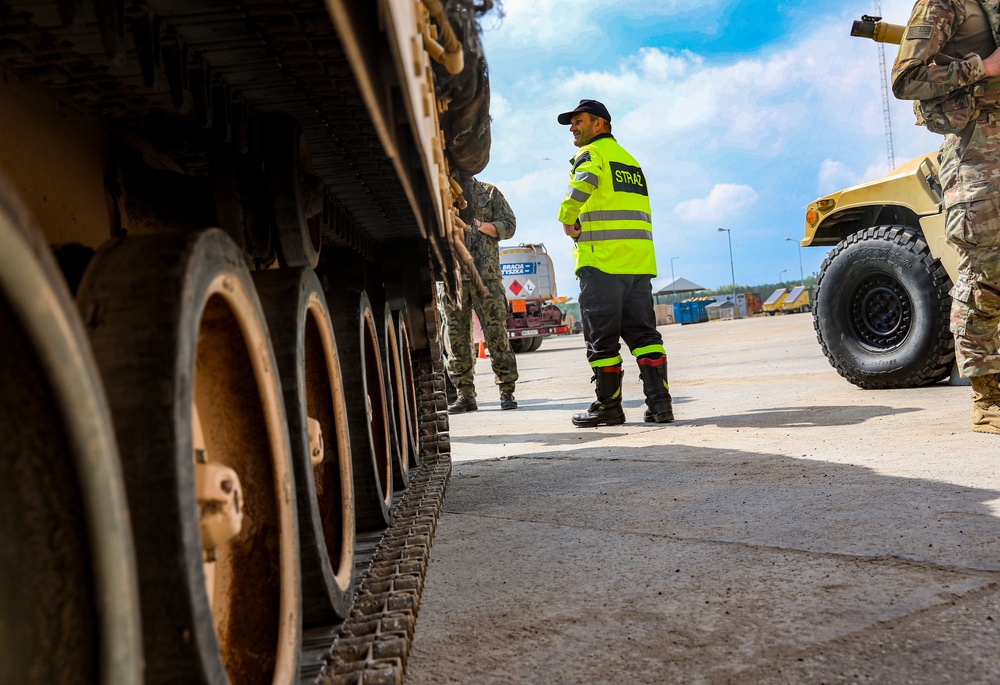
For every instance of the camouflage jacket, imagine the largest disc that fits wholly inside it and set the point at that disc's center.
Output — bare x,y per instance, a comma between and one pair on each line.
491,207
943,48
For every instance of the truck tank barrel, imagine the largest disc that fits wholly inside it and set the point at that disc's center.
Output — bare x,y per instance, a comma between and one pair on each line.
878,30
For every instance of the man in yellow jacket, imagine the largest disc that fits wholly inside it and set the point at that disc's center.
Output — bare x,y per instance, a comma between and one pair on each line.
606,212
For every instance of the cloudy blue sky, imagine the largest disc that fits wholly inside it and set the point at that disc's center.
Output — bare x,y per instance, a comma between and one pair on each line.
739,111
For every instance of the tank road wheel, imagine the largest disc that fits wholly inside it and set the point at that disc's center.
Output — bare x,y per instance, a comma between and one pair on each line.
367,412
882,309
313,387
294,190
69,602
395,403
181,343
409,399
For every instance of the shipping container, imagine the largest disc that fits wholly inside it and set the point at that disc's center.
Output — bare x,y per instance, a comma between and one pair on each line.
691,311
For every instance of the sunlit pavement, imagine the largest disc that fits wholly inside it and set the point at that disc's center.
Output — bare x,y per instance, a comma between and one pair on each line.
788,527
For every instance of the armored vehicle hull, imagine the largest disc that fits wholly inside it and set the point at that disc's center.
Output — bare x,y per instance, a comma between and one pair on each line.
223,442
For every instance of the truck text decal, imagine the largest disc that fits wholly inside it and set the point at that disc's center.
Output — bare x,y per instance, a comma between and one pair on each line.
517,269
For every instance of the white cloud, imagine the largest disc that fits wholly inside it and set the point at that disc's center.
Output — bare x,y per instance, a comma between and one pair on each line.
767,131
834,175
499,106
552,23
655,94
725,201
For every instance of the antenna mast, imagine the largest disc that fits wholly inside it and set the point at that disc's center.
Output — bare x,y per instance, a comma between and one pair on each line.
889,147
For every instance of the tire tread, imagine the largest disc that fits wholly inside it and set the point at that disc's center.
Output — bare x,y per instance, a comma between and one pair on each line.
938,364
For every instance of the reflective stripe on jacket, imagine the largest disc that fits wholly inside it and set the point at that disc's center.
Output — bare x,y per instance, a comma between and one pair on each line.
608,195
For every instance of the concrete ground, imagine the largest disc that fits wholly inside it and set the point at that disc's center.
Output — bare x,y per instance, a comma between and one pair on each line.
788,528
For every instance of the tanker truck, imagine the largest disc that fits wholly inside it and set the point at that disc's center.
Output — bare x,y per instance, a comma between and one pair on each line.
529,283
223,438
882,302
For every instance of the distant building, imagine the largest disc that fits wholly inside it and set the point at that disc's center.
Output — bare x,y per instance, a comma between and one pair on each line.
745,303
677,286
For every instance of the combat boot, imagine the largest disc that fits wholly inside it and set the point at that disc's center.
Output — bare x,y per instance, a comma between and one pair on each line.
607,410
463,404
654,385
986,403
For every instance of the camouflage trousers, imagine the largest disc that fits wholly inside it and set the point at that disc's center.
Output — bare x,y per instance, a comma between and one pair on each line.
492,313
972,224
974,229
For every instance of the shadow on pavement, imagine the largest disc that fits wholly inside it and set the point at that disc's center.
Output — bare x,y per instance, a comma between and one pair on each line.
691,564
577,437
801,417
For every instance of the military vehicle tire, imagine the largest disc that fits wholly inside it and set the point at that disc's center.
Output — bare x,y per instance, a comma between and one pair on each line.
286,163
367,410
394,395
409,399
882,308
69,598
536,342
180,339
313,388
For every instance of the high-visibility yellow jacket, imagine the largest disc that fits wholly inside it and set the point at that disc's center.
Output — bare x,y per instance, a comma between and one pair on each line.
608,195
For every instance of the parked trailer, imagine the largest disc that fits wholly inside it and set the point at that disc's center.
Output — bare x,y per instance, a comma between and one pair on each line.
797,300
223,443
773,303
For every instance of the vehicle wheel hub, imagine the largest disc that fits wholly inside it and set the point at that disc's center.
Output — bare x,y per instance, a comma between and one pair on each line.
881,312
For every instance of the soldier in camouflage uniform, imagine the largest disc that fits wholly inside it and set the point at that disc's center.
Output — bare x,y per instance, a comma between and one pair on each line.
949,63
494,222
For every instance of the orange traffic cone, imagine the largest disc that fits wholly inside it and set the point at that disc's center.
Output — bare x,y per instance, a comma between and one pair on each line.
482,350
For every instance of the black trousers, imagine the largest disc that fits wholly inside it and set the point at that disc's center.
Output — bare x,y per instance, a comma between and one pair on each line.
617,307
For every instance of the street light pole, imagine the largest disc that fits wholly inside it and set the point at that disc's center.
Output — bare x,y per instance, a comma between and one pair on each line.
732,269
802,276
673,280
779,275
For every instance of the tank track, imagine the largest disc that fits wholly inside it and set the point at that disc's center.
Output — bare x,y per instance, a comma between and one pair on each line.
373,644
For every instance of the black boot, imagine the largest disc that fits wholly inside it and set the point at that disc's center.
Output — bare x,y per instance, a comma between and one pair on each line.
463,404
654,384
607,410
